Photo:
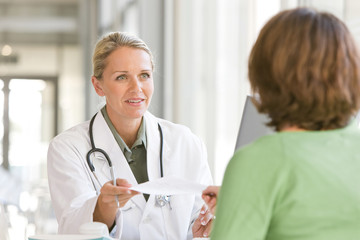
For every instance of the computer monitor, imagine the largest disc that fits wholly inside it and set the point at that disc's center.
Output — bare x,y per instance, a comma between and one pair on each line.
252,126
357,118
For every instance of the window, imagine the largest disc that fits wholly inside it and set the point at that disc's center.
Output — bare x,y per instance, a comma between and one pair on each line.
29,112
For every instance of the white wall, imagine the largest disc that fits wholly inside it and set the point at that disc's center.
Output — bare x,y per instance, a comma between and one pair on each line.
211,42
71,87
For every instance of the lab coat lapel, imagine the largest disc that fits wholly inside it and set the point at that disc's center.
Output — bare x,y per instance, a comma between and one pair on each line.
104,139
153,156
153,147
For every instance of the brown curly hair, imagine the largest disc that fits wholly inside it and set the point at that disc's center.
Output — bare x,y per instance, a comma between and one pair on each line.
305,68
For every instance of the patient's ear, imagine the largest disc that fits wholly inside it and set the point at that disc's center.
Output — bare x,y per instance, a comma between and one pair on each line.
97,86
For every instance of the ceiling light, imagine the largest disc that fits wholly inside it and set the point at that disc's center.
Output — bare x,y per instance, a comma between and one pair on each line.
6,50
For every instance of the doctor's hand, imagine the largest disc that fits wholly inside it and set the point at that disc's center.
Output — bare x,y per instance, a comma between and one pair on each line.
106,205
202,225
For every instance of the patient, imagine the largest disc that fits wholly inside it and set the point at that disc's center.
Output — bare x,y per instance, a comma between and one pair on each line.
302,182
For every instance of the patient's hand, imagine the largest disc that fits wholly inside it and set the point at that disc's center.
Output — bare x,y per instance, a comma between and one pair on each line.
210,195
202,225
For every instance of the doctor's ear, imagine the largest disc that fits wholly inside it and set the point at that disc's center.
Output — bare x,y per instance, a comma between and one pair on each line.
97,86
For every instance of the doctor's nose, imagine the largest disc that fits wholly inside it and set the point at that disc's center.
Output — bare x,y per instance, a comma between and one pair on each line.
136,85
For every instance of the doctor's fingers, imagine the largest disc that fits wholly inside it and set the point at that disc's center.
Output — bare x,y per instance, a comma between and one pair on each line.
123,199
122,182
113,198
109,189
110,192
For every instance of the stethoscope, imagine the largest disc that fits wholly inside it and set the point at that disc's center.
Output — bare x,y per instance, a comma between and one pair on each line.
160,200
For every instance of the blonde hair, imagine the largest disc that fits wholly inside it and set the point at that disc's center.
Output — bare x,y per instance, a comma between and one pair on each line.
109,43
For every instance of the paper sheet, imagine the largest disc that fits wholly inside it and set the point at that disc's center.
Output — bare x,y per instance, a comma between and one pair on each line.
169,185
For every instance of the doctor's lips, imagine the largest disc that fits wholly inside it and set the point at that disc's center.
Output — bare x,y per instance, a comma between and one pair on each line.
135,100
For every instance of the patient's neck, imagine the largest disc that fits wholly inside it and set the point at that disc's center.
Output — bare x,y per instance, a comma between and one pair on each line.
291,129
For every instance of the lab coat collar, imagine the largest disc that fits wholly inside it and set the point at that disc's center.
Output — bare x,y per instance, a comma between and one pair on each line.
104,139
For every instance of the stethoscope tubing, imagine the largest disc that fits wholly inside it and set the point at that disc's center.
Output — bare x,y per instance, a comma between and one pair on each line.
161,200
95,149
161,150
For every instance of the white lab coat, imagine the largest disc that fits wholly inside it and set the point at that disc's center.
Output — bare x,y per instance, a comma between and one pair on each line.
74,189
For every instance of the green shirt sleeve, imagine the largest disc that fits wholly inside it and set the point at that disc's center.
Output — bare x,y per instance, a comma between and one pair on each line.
251,185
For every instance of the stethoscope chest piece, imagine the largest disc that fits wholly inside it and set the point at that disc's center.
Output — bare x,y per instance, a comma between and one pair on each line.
162,200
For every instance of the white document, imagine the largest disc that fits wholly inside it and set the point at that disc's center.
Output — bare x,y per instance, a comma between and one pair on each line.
169,185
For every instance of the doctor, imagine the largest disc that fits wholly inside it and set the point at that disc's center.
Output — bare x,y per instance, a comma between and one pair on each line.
139,147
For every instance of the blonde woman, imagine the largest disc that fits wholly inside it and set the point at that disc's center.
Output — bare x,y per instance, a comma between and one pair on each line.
139,146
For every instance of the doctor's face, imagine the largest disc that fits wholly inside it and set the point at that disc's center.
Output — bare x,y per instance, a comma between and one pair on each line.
127,83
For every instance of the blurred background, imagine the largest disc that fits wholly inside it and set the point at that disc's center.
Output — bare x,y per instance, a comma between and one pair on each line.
201,49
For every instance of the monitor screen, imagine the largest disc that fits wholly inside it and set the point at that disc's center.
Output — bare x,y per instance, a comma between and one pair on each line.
252,126
357,119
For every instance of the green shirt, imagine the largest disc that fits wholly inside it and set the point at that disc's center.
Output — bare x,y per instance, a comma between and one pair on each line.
136,155
293,185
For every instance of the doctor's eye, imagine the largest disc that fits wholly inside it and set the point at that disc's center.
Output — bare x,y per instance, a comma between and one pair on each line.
145,75
121,77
